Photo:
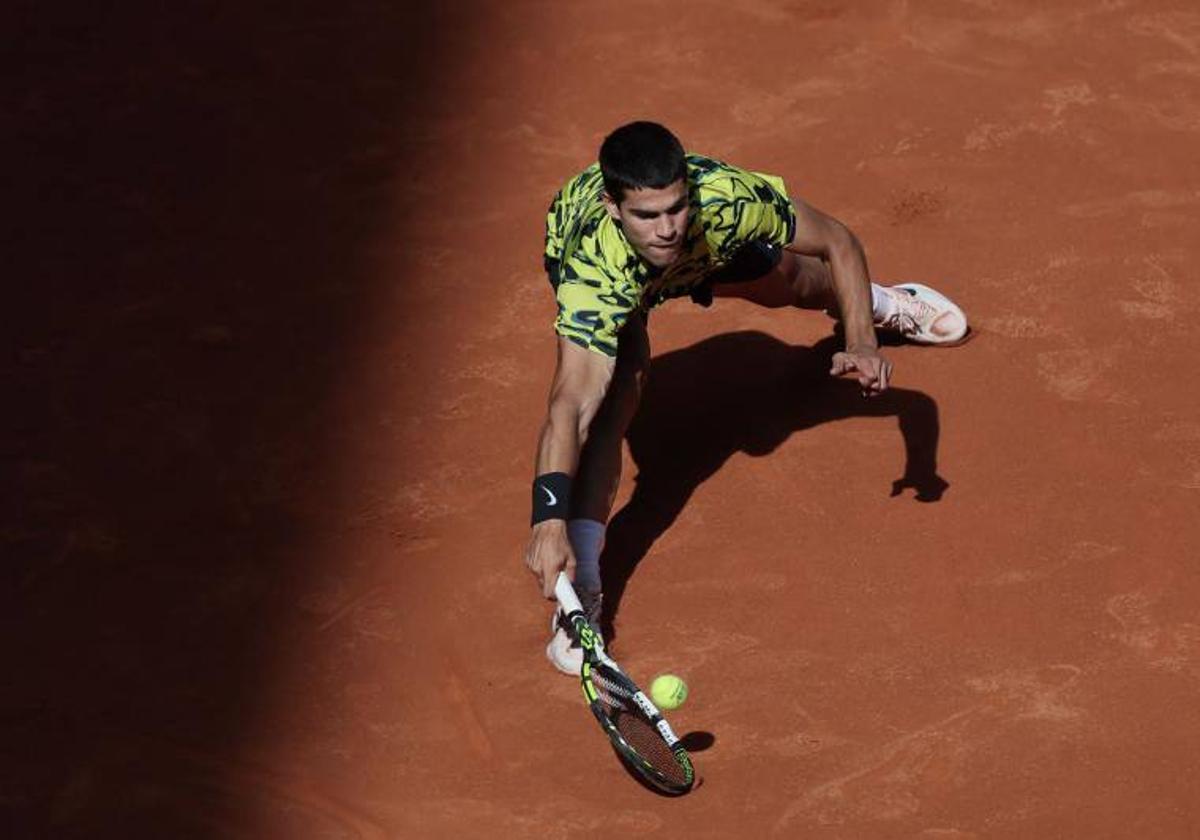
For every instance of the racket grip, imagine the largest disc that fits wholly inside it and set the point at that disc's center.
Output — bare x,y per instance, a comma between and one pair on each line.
565,593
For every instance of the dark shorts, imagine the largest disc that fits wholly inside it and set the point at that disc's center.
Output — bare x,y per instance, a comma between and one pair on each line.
750,262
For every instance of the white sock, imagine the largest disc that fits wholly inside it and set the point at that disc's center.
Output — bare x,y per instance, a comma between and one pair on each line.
587,540
881,302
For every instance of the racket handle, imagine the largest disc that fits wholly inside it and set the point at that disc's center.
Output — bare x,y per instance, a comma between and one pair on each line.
565,592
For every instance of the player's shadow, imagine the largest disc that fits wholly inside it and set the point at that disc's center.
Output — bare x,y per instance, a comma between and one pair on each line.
742,392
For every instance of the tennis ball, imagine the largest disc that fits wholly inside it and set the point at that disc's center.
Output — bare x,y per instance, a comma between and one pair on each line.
668,692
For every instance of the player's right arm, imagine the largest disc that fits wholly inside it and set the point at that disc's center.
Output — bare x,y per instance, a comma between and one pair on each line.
581,379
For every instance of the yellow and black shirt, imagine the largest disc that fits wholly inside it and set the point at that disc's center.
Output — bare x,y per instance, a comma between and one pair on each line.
600,279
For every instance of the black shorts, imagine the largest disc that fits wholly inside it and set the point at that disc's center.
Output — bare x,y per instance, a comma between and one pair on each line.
750,262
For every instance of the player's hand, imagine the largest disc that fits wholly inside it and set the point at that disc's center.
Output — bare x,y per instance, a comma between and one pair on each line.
549,553
873,370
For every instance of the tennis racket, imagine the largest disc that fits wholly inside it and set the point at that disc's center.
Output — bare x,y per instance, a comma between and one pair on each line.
638,731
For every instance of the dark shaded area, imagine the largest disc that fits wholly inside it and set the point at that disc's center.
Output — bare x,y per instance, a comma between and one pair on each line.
698,741
742,392
189,191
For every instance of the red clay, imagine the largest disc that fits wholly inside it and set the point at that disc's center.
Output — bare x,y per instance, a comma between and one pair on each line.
281,350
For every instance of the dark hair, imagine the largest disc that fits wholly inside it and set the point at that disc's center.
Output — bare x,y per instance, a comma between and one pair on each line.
640,155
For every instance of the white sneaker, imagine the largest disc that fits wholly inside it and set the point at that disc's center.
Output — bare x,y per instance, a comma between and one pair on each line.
923,315
564,651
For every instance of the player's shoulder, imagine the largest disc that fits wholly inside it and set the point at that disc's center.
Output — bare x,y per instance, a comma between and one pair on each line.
585,185
712,179
595,248
578,228
708,171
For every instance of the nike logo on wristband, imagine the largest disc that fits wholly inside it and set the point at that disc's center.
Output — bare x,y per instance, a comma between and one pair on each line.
553,498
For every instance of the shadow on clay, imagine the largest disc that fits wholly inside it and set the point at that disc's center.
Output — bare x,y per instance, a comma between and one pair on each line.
197,224
698,741
742,392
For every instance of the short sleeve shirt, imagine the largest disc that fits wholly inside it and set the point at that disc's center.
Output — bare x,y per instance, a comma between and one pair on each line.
601,278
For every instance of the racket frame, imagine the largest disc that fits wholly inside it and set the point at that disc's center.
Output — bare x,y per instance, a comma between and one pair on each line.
593,655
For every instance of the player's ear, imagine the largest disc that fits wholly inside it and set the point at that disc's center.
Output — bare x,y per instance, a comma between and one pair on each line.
611,206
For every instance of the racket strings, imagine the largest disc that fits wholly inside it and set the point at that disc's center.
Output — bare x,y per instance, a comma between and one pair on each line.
640,734
635,727
612,692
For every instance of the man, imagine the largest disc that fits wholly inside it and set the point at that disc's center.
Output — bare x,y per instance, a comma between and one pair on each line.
645,224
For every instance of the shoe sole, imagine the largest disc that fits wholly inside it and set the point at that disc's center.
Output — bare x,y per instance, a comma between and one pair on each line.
570,672
557,665
550,650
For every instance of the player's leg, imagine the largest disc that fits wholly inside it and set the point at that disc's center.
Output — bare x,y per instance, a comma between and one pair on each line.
793,280
918,313
595,486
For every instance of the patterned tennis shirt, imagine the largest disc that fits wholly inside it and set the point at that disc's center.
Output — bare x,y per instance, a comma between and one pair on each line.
601,280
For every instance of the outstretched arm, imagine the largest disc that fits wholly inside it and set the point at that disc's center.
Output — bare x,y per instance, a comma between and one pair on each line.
581,380
820,235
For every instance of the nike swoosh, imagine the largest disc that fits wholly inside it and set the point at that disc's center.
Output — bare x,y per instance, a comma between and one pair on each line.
553,498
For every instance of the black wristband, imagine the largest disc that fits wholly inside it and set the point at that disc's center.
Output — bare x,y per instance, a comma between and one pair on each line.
551,497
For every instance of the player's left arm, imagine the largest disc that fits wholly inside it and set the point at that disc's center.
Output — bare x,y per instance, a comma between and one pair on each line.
820,235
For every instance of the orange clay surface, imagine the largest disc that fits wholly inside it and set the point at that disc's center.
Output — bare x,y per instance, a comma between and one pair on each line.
278,351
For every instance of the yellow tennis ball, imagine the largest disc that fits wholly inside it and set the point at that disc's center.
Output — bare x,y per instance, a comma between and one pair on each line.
668,692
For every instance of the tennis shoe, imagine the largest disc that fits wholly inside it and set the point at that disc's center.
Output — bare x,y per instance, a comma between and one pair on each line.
923,316
564,651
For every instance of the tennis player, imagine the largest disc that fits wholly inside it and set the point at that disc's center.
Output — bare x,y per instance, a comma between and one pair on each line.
645,224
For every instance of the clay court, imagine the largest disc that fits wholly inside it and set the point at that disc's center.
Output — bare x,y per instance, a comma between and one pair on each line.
279,347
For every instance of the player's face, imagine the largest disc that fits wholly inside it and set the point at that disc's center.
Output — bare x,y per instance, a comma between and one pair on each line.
654,221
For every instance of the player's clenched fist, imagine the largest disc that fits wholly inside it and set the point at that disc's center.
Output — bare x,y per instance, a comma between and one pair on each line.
549,552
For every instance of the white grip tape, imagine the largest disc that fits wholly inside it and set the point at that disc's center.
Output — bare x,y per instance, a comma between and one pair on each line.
668,734
644,702
565,593
651,711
